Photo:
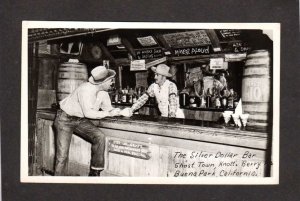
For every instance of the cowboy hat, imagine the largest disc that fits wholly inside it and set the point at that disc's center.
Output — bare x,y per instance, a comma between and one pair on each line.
162,69
101,74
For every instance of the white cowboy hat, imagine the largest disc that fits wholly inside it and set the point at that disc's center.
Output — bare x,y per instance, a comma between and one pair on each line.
162,69
101,74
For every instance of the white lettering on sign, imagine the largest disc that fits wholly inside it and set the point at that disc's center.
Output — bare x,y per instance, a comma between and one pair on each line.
256,89
188,163
189,51
129,149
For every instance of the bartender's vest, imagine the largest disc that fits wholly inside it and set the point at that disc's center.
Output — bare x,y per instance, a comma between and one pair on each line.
162,96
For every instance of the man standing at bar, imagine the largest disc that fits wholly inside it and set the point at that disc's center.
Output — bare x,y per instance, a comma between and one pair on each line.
76,110
165,93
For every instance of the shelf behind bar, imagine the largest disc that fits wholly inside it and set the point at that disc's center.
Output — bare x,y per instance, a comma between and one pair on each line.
185,108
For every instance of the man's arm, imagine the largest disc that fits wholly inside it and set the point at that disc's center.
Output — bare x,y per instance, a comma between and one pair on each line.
143,99
140,102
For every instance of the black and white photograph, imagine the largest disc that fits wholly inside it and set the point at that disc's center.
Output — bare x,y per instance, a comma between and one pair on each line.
150,103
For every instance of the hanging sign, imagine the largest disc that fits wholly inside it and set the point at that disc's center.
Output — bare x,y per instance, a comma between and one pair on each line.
149,53
239,47
216,63
235,57
114,40
147,41
190,51
137,65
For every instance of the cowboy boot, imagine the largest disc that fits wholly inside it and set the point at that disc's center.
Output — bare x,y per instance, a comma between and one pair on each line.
94,173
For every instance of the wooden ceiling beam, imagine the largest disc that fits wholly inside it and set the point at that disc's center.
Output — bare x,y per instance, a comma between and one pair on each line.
160,39
215,42
128,46
106,52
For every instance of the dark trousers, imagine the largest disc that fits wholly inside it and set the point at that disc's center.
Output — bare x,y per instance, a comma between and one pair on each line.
65,126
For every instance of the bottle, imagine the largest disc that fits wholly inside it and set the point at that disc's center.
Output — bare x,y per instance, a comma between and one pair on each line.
235,99
224,99
224,102
203,99
192,100
138,92
183,98
124,95
113,95
130,96
134,97
230,99
208,98
217,100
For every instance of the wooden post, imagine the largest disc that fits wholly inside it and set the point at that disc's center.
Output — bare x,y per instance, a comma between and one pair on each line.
184,71
120,77
33,71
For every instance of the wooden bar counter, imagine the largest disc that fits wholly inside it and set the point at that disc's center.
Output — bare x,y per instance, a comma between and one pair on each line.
153,146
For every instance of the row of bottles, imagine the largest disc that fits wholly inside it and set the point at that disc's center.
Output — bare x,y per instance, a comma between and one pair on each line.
211,98
126,95
228,99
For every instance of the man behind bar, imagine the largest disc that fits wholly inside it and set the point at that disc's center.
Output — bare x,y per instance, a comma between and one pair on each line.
76,110
165,93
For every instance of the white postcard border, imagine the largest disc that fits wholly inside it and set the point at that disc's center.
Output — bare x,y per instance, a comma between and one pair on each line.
274,179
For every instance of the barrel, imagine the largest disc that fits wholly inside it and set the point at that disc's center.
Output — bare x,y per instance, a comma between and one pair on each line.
70,76
256,86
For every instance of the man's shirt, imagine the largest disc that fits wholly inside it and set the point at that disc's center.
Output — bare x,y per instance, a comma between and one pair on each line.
86,101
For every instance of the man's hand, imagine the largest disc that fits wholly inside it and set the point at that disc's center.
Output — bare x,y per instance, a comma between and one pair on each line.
115,112
127,112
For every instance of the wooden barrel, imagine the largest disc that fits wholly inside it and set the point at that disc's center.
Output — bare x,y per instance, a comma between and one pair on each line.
256,88
70,76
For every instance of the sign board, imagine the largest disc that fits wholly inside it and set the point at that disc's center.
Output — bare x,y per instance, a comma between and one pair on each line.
155,62
114,40
238,47
190,51
131,149
229,33
137,65
149,53
187,39
147,41
235,57
216,63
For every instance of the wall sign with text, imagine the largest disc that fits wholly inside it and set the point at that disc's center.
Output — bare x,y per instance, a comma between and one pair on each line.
239,47
149,53
190,51
129,149
229,33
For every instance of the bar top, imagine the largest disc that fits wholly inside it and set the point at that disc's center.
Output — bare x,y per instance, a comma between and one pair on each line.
179,128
